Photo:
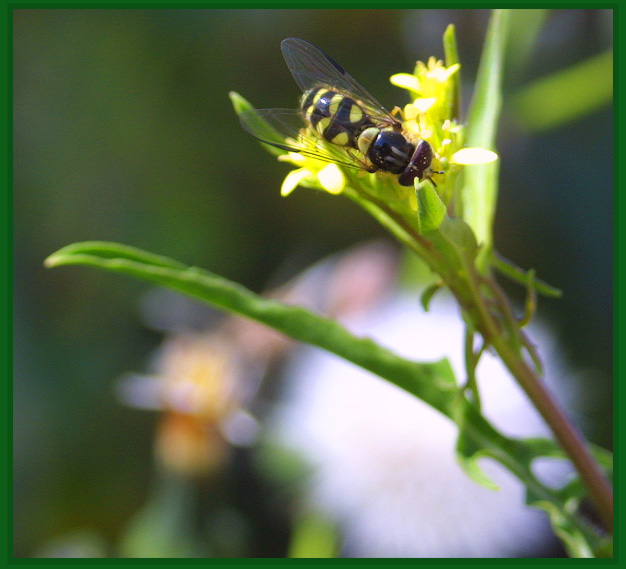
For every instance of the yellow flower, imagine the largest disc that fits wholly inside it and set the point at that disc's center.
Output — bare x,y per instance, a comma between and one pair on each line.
312,174
431,87
431,116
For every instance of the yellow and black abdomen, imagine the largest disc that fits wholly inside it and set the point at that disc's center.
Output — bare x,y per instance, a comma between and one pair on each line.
334,117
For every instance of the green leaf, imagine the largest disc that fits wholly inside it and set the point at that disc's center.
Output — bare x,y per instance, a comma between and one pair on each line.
428,294
468,453
452,58
430,209
548,102
575,541
82,253
580,537
518,275
241,105
455,241
432,382
479,191
524,28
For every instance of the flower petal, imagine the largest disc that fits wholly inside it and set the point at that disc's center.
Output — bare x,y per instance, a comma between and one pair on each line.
473,156
331,178
292,157
406,81
422,104
292,180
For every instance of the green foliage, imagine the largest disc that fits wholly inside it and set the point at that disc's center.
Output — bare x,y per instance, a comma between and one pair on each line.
240,105
517,274
430,209
434,382
314,537
547,103
480,183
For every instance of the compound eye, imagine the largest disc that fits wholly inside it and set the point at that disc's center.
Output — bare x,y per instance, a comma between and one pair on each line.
422,156
419,163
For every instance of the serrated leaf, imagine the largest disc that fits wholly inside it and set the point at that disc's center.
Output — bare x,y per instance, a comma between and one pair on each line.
468,453
576,543
428,294
434,383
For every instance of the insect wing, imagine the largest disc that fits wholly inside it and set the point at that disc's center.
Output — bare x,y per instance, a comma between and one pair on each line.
285,129
311,67
273,126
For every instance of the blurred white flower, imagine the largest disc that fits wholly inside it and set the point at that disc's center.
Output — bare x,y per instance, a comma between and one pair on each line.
384,464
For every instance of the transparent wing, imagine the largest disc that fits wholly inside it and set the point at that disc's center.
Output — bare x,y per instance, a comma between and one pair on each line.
285,129
311,67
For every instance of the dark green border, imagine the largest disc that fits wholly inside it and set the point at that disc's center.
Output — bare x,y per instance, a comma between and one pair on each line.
356,4
618,312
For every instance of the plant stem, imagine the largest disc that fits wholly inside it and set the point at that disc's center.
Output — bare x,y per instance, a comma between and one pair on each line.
564,431
566,434
507,339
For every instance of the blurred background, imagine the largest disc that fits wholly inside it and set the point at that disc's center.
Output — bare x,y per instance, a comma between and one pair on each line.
123,131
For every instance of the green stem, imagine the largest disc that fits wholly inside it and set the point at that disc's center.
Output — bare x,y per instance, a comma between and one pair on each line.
507,347
566,434
564,431
504,335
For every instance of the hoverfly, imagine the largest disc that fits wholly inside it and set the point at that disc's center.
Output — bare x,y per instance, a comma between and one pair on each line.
335,109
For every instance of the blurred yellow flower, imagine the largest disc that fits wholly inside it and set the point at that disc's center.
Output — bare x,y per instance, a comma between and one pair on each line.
198,385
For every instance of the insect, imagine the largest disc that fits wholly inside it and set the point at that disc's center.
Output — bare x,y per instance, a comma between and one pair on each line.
337,110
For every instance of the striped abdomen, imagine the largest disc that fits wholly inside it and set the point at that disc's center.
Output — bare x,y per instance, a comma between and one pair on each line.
335,117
